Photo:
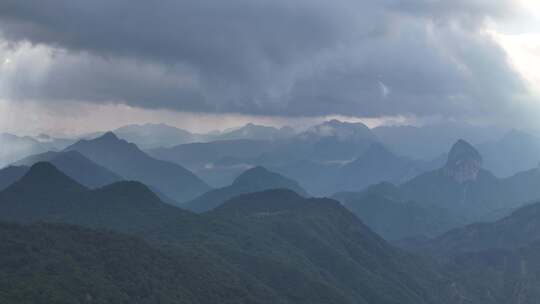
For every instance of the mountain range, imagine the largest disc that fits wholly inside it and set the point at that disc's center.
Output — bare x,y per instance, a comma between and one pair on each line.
45,193
460,192
153,136
330,157
271,246
431,140
499,259
419,143
253,132
424,143
520,228
75,165
58,263
474,236
253,180
516,151
331,141
217,162
128,161
148,136
12,148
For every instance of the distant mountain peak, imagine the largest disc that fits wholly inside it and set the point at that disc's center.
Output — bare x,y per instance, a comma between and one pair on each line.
463,151
254,131
340,130
109,136
252,180
464,162
339,123
43,167
248,175
259,178
108,139
44,175
130,162
76,166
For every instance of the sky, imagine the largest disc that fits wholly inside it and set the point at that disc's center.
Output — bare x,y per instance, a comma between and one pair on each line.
75,66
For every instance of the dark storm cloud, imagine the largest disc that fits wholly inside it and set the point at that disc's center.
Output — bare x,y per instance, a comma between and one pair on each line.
303,57
223,36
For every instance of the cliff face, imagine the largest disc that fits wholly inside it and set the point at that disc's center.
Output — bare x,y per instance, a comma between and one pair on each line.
463,163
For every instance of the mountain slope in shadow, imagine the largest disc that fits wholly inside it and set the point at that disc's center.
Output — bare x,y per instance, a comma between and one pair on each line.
131,163
252,180
76,166
300,250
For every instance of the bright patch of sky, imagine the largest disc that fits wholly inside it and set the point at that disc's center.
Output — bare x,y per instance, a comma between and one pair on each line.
520,38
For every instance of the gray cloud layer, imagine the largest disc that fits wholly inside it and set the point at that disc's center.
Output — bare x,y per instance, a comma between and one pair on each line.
280,57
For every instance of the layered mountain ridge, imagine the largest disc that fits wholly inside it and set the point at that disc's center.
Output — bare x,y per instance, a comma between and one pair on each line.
284,247
131,163
461,192
252,180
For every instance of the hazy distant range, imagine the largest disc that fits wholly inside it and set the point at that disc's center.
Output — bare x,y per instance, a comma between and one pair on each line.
332,147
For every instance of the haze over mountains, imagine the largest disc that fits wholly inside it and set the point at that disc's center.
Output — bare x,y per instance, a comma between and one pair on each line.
516,151
429,141
253,180
218,157
260,227
75,165
152,136
330,149
460,192
12,148
131,163
263,231
293,267
319,253
325,159
269,152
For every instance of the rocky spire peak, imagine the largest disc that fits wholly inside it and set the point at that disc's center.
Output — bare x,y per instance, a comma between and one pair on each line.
464,162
